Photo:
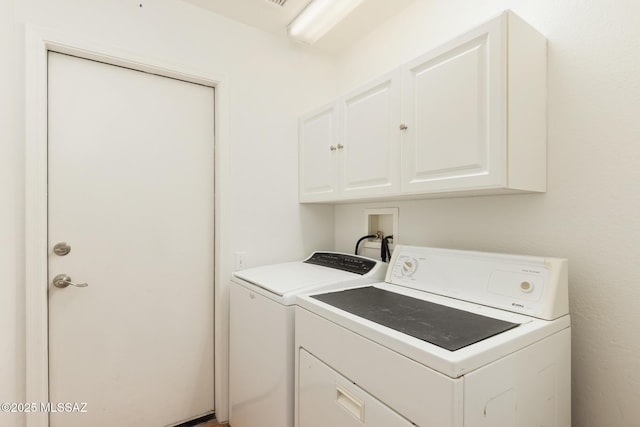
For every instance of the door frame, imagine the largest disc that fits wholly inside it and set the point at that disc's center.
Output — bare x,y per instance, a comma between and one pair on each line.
38,42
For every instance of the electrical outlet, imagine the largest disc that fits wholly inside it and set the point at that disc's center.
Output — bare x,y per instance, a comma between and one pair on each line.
240,261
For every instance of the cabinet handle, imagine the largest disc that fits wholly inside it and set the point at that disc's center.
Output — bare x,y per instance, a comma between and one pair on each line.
340,146
333,148
403,126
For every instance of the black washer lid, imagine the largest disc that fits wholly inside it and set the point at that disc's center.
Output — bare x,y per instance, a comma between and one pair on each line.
446,327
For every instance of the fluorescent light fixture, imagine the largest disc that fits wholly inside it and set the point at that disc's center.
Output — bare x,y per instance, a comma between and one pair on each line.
319,17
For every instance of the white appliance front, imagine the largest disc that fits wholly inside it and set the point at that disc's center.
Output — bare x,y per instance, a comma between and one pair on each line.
282,282
330,399
519,376
261,366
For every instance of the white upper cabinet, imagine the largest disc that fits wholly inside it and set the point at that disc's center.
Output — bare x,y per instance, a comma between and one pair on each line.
370,140
459,106
454,116
350,148
469,119
318,179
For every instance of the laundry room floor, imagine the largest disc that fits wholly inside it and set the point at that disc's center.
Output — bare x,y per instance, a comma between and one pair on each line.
212,424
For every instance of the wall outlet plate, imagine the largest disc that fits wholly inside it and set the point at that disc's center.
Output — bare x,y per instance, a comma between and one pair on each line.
240,261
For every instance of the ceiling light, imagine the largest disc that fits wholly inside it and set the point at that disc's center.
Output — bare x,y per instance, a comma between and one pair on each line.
319,17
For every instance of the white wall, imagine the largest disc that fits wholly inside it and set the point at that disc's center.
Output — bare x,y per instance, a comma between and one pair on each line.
591,212
11,200
269,81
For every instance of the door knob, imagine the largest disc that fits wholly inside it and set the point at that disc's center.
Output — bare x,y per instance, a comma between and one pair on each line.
62,281
61,249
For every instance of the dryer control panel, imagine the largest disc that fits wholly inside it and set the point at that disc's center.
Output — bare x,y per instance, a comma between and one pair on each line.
533,286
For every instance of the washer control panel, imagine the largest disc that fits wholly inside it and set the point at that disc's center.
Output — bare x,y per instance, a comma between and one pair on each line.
351,263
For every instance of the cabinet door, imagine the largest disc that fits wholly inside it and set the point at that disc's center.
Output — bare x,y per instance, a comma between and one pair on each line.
454,108
369,143
318,177
328,399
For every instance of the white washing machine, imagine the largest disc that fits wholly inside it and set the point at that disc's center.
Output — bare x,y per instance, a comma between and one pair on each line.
450,339
261,343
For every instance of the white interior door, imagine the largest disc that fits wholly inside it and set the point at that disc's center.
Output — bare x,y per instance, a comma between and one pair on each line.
131,193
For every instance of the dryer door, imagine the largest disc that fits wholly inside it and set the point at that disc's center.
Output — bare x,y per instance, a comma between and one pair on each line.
326,398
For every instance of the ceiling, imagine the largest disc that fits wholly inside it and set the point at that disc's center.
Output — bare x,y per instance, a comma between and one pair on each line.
267,16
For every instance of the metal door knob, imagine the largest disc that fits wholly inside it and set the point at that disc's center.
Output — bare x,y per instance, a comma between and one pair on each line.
333,148
403,126
62,281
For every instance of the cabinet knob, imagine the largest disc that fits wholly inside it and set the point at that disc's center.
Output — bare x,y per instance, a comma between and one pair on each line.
340,146
403,126
333,148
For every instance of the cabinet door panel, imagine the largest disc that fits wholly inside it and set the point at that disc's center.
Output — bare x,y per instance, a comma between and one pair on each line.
455,137
370,137
317,159
448,93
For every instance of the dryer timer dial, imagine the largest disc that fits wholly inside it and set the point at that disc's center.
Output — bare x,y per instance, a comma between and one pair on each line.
409,266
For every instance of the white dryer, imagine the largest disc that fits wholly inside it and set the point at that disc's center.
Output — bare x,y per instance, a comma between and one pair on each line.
261,343
450,339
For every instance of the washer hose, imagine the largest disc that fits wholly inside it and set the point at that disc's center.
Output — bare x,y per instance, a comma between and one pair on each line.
361,239
385,252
